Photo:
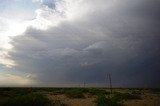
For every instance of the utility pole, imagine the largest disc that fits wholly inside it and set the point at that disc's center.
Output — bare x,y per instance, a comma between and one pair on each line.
110,82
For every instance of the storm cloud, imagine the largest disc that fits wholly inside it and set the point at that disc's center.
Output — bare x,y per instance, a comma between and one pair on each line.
91,39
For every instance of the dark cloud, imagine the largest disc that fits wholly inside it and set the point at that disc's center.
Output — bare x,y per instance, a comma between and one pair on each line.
106,40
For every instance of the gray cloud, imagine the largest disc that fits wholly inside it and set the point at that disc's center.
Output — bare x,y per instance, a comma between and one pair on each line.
121,38
49,3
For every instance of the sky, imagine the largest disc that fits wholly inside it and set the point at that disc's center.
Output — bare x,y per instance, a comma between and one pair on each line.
69,42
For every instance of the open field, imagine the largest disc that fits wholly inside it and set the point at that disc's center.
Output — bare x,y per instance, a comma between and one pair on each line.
78,97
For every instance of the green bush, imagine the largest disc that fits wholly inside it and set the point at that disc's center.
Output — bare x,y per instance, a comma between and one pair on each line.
124,96
74,93
27,100
96,91
103,101
114,99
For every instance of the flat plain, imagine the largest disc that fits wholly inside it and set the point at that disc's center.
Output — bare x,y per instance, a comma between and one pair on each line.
78,96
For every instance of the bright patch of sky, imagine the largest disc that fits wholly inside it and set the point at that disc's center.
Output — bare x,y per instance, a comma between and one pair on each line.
13,21
15,17
18,9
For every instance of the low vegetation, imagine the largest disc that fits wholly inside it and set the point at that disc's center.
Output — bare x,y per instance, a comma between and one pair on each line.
27,100
155,91
74,93
27,97
44,96
96,91
115,99
124,96
101,100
